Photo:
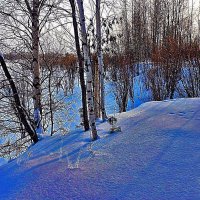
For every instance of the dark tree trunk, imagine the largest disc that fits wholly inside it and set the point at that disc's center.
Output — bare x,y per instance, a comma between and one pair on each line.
81,67
19,108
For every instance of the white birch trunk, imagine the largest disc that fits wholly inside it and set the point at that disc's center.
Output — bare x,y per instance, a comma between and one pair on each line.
35,66
87,64
100,60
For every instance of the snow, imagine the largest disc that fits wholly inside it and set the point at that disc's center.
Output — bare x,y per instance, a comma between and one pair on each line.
156,156
68,118
2,161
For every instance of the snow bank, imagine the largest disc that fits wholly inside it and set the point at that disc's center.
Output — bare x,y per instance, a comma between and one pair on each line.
156,156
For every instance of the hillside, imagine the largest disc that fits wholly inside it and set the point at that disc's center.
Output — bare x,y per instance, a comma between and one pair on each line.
156,156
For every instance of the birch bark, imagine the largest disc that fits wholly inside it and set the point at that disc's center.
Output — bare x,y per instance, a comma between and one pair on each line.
36,66
100,60
87,62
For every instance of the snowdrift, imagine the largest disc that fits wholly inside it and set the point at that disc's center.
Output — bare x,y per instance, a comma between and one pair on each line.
156,156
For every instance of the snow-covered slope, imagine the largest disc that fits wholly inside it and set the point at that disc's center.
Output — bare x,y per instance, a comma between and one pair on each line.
2,161
156,156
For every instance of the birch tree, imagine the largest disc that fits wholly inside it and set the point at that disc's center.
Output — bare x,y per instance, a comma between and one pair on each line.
34,13
36,27
26,23
88,68
100,59
81,67
21,22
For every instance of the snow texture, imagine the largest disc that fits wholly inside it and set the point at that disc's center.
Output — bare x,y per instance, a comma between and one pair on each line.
1,54
37,119
156,156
